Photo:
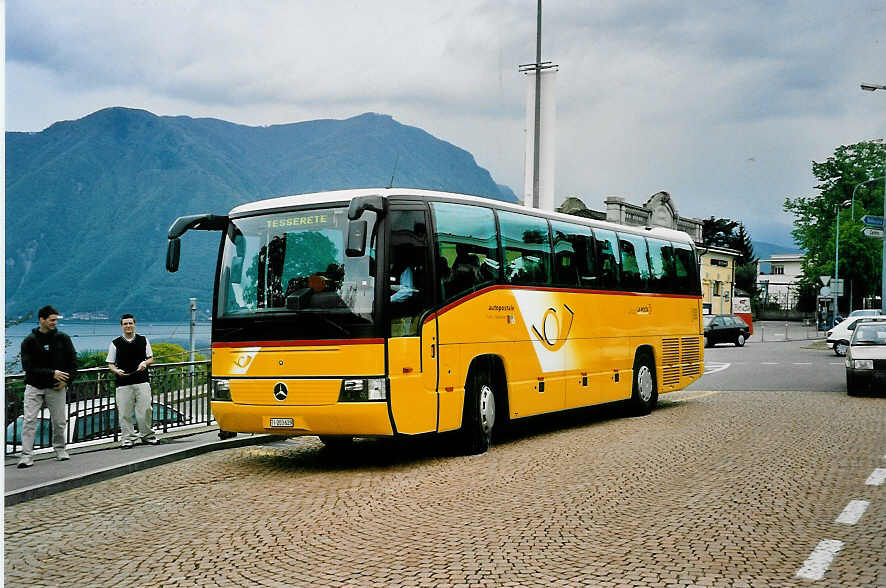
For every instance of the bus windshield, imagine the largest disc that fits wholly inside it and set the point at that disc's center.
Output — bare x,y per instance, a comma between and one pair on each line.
294,263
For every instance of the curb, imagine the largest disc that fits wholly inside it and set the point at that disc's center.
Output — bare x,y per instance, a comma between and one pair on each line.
40,490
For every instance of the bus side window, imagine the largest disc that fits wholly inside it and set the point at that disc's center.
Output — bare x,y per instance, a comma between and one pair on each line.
661,266
608,266
408,275
467,242
574,262
686,270
634,265
527,248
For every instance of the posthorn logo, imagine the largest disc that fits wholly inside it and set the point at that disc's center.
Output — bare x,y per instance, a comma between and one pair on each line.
280,391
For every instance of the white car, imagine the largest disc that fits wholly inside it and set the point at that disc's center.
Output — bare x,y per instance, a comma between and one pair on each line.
839,336
866,312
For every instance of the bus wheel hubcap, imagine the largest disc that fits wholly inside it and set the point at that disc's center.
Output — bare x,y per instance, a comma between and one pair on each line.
644,383
487,408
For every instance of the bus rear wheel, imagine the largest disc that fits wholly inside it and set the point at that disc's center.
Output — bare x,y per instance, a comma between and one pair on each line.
644,395
478,419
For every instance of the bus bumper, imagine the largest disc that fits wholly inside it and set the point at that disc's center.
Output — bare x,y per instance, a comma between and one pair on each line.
344,418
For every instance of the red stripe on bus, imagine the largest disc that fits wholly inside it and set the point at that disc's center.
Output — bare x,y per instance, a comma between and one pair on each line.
297,343
452,305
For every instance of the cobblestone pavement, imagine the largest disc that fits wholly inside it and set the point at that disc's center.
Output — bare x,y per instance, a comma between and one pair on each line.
712,489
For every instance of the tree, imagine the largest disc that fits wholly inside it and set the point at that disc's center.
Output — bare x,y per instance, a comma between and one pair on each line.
724,232
815,218
717,232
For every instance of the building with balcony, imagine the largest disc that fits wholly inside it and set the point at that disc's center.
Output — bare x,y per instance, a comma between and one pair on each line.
778,277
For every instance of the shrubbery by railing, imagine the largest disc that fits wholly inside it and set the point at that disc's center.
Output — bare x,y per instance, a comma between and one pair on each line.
180,396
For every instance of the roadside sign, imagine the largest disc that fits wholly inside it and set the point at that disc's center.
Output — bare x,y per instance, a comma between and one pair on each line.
872,221
825,292
825,280
837,285
872,232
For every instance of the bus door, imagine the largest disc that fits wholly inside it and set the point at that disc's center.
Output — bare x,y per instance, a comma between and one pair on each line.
412,345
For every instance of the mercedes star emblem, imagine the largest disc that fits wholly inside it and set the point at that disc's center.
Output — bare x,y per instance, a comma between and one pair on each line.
280,391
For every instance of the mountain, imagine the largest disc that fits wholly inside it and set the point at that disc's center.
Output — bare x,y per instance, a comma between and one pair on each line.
764,250
88,202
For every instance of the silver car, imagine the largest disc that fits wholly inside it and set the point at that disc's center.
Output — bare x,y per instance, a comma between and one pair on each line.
866,359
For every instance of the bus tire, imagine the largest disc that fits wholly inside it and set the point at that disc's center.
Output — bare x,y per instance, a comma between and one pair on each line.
335,443
478,418
644,395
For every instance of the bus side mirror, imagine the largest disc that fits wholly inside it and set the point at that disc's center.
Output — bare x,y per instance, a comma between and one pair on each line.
356,245
173,250
358,205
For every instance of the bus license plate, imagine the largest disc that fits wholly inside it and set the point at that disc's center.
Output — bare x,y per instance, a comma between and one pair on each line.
286,423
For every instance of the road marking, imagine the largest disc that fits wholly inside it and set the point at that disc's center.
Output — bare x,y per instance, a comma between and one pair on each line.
769,363
877,477
819,560
711,367
852,512
804,363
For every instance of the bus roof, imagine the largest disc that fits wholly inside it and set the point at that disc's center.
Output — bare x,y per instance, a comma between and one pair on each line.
344,196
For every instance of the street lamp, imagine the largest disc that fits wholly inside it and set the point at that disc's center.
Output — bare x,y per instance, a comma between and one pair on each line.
868,87
859,185
837,208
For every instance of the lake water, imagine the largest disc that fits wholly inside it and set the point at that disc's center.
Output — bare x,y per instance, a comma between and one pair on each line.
97,335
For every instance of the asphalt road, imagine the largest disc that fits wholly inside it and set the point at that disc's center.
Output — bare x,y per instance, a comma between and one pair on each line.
764,473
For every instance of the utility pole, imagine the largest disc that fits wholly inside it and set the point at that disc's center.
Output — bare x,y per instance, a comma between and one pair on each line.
868,87
192,324
536,67
537,110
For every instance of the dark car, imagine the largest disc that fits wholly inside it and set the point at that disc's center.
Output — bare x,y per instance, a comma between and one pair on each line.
866,359
725,328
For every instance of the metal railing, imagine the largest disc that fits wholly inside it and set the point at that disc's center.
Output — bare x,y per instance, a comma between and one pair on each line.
179,394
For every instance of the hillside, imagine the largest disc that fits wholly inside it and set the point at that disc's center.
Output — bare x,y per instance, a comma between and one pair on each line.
88,202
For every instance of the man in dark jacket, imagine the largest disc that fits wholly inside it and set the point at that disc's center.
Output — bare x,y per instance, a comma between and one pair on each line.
50,364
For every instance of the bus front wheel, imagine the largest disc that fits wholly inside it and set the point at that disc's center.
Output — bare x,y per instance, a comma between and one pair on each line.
478,419
644,395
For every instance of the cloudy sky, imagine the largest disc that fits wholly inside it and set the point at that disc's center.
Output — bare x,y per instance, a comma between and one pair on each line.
722,104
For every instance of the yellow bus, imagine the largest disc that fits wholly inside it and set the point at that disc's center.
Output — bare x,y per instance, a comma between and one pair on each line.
390,312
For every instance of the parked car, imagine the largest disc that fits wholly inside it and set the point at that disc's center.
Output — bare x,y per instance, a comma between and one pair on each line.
725,328
866,358
88,420
839,336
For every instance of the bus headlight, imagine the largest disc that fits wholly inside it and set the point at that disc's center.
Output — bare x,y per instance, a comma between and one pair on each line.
221,390
863,364
363,390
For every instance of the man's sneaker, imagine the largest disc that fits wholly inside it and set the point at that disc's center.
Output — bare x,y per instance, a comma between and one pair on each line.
62,455
151,441
25,462
126,444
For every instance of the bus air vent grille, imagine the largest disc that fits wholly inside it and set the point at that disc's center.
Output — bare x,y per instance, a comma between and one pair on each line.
670,361
691,356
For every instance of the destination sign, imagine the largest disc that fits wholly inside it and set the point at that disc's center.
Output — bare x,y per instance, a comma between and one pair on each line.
302,220
872,221
872,232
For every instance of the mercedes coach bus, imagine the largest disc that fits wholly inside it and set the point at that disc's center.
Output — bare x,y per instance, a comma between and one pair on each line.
385,312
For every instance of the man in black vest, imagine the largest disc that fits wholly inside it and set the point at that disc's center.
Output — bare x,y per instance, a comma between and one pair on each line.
129,357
